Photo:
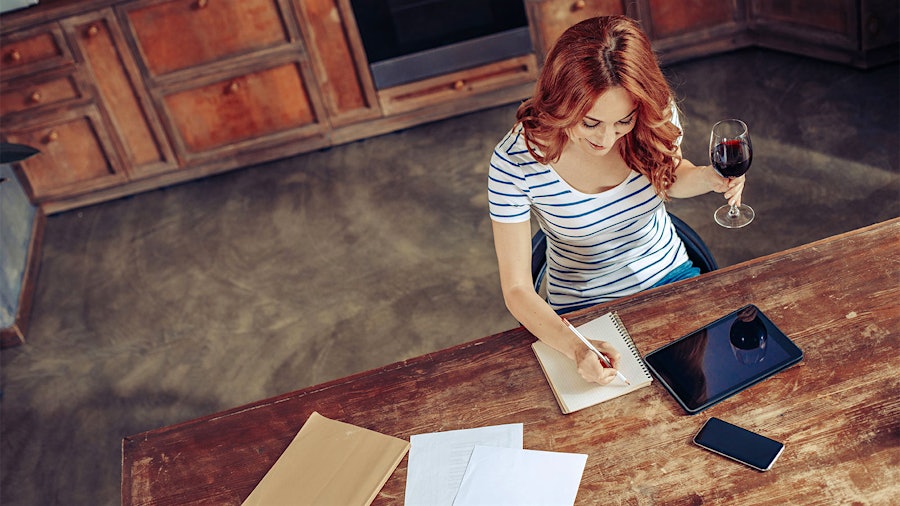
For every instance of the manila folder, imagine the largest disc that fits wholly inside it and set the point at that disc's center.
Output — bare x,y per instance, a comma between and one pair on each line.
330,462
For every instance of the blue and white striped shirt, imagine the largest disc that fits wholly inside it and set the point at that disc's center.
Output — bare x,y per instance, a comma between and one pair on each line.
599,246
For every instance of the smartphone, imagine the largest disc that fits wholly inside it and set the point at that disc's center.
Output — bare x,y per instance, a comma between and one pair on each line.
737,443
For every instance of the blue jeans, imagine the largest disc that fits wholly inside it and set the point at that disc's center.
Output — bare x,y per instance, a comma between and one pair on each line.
683,271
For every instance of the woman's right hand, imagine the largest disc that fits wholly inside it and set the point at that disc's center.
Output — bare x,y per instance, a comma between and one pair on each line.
589,366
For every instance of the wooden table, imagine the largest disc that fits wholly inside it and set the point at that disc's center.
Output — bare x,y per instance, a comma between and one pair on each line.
837,411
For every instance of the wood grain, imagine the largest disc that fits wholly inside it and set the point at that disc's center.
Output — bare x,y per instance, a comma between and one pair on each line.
836,411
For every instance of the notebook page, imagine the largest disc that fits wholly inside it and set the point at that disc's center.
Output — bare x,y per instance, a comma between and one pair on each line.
571,390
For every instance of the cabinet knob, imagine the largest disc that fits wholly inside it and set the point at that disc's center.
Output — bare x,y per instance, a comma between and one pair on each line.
233,87
202,4
52,136
579,5
14,56
35,97
458,85
873,25
92,31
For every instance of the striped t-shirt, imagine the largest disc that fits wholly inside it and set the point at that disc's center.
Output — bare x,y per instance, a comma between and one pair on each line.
599,246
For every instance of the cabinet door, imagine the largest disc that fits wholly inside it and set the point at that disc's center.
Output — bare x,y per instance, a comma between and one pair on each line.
138,133
178,34
669,19
247,107
338,60
550,18
75,156
833,22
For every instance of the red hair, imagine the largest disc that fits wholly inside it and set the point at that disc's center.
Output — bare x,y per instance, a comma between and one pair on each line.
589,58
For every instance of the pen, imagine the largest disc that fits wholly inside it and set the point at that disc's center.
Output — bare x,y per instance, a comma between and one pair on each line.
590,346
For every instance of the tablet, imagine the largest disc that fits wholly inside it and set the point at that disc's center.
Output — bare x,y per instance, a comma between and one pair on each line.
721,359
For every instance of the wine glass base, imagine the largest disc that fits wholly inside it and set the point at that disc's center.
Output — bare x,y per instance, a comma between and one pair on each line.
734,217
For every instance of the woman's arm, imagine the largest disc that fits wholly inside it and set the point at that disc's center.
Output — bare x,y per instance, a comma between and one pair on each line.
691,180
512,242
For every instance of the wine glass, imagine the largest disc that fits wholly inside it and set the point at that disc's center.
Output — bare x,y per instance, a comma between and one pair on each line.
730,153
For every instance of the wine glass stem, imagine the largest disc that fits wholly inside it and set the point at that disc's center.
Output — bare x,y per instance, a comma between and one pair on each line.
733,211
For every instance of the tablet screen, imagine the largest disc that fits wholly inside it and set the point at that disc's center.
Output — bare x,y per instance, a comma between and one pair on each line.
723,358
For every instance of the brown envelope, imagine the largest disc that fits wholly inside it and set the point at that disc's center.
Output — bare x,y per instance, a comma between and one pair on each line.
330,462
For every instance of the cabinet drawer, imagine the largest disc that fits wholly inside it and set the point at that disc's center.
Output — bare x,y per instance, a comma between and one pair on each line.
458,85
178,34
32,50
31,95
241,108
75,155
555,16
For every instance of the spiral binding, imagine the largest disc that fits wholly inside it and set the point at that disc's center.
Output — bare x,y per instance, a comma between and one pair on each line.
627,337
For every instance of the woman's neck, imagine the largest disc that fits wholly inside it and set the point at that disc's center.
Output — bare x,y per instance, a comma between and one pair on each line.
591,174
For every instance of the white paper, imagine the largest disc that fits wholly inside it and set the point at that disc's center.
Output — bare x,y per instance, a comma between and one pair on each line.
506,476
438,460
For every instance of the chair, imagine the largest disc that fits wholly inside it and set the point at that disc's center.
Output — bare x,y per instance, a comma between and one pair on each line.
697,251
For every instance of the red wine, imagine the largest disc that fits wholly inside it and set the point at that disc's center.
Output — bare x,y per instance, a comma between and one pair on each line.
732,158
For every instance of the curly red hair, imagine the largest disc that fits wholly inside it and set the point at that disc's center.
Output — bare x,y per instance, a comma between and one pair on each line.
589,58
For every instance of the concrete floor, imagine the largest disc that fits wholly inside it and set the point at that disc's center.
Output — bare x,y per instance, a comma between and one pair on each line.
181,302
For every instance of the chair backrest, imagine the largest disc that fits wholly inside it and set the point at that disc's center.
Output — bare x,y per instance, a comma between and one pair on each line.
697,251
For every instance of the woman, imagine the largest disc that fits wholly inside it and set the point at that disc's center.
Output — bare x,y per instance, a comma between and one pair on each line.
594,154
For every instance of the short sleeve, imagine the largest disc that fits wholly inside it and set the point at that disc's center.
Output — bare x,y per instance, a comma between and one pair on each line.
507,200
507,188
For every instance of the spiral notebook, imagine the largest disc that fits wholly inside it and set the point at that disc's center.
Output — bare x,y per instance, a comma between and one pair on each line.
572,392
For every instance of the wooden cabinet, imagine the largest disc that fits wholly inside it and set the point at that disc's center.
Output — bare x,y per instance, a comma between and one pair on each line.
678,30
857,32
49,104
227,75
123,96
860,33
68,90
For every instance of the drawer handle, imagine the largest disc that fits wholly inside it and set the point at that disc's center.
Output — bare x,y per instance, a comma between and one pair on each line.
579,5
233,87
35,97
202,4
14,56
53,136
458,85
92,31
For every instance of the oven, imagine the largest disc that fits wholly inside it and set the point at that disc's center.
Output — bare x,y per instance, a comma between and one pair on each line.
409,40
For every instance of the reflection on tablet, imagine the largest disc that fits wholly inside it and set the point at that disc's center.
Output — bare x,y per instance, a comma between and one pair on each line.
723,358
748,337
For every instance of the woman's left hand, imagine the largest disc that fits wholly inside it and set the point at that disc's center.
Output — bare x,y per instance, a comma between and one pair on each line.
735,190
732,188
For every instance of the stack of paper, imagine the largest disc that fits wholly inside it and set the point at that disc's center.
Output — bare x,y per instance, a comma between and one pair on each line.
487,466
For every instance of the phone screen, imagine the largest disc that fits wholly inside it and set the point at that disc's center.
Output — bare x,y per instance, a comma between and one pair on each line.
742,445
